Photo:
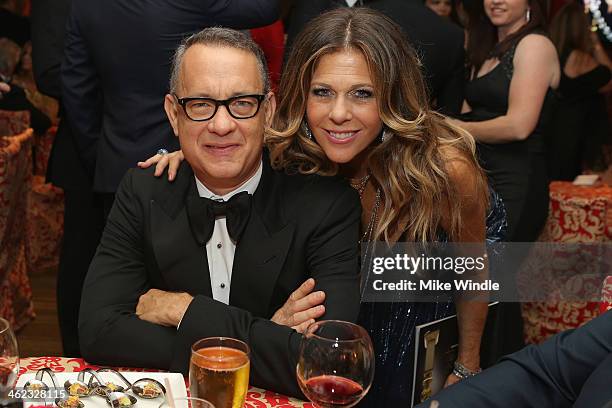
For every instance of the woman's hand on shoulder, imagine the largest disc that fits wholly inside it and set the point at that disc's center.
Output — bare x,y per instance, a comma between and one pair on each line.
171,161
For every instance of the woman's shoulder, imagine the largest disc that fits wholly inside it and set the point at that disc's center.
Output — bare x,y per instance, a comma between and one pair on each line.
536,42
463,174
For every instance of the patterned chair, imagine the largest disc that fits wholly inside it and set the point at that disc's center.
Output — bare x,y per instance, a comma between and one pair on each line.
577,214
15,181
45,217
13,122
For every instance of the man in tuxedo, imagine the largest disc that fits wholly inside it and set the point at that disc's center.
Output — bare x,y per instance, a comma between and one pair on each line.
131,76
220,249
571,369
115,72
438,42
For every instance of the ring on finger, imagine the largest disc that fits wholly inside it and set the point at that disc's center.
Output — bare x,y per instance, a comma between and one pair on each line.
162,152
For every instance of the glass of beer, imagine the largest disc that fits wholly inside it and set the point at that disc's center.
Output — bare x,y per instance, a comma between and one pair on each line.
219,371
186,402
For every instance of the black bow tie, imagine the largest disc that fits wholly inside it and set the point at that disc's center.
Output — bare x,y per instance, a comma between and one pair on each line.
203,212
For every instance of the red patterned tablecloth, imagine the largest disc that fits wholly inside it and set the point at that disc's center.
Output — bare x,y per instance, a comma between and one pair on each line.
576,214
256,397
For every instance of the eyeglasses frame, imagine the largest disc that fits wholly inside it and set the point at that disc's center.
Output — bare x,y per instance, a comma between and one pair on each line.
225,102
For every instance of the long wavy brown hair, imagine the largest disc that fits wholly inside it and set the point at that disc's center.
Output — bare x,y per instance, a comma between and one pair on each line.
569,30
410,167
482,34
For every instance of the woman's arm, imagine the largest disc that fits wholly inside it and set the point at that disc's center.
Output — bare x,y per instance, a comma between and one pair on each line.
471,315
536,68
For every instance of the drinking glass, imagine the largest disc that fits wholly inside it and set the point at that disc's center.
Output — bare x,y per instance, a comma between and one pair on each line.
187,402
9,359
336,364
219,371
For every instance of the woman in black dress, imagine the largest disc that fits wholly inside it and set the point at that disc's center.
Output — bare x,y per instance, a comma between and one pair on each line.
581,123
514,68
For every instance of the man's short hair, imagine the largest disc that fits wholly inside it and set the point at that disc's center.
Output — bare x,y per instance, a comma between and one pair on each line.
220,37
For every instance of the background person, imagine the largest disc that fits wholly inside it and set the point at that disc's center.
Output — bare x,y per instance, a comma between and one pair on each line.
581,127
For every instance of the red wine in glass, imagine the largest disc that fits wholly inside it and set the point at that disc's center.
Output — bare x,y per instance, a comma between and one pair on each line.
335,364
329,391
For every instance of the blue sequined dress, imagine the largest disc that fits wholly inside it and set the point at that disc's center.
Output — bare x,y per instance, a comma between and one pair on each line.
392,327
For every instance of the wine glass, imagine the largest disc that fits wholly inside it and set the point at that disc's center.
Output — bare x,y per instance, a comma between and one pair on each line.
9,359
336,364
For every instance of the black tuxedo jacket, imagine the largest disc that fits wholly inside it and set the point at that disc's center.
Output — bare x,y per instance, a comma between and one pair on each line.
300,227
116,68
438,42
572,369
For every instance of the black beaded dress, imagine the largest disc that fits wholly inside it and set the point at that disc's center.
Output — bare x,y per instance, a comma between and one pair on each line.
392,327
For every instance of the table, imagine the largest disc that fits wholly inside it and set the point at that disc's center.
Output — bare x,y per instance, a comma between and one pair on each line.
576,214
256,397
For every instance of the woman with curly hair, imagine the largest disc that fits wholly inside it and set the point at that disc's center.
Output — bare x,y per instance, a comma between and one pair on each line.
352,101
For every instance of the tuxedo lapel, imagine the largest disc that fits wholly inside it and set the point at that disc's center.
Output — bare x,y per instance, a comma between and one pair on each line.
262,250
181,260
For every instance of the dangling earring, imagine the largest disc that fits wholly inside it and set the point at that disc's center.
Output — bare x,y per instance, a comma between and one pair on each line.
385,135
307,130
528,15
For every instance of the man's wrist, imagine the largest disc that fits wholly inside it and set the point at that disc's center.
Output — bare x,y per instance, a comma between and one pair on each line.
464,372
182,304
469,360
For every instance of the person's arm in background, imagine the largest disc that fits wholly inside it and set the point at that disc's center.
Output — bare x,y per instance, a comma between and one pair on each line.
536,69
4,88
550,374
602,58
451,94
48,22
16,100
81,91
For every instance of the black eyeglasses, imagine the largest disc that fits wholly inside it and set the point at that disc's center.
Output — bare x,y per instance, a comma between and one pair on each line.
239,107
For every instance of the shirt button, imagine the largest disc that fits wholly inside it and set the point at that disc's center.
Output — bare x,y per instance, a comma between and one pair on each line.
219,245
222,286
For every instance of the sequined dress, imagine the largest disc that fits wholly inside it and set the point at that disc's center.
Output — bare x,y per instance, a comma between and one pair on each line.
392,327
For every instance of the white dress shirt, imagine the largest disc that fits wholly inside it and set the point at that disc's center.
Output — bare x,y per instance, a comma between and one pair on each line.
220,249
351,3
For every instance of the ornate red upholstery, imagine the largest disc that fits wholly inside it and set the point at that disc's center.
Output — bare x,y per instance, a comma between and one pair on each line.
15,181
576,214
13,122
45,226
42,150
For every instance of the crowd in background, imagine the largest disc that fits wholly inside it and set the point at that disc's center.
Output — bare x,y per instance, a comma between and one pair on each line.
531,89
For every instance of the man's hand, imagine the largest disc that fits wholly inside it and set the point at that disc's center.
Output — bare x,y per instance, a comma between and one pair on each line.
4,88
302,307
163,308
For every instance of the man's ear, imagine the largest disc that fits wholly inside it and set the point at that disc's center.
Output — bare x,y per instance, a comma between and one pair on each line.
270,109
171,108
